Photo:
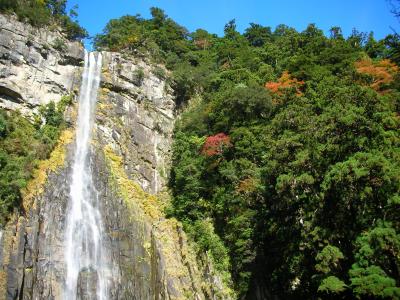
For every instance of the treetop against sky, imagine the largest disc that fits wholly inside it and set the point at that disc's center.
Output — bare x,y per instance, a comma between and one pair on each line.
212,15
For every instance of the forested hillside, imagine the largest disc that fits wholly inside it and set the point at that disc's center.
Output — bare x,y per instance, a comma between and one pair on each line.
286,159
286,164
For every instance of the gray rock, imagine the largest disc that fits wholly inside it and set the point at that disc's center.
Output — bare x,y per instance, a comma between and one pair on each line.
30,65
143,115
87,282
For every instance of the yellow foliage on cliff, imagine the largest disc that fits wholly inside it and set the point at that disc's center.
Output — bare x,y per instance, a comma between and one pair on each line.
129,190
56,160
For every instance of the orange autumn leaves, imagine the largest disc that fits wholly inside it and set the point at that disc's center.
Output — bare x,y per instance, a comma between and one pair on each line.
378,74
285,82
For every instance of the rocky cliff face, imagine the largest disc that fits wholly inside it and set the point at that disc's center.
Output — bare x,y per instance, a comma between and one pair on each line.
36,66
130,157
135,117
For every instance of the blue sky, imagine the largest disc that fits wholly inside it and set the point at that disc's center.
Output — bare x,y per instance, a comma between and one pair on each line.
212,15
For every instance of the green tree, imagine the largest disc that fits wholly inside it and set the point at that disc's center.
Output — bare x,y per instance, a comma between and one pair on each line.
257,34
56,7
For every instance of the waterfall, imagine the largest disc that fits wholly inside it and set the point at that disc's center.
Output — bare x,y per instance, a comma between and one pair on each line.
85,257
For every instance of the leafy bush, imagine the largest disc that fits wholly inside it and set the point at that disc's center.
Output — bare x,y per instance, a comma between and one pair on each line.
332,285
139,75
159,72
72,28
8,5
43,13
202,231
59,45
22,144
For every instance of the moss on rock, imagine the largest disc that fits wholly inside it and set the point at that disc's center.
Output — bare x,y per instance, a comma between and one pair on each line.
35,187
168,237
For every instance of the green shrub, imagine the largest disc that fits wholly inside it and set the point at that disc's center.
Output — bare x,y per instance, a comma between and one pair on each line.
59,45
8,5
72,28
139,75
22,144
207,240
159,72
44,13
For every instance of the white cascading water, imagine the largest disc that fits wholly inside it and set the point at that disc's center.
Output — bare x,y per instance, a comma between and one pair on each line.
84,252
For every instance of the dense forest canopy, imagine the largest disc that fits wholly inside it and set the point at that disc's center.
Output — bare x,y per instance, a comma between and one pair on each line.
286,163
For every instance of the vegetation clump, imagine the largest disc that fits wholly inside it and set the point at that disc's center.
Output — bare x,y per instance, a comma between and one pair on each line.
41,13
23,145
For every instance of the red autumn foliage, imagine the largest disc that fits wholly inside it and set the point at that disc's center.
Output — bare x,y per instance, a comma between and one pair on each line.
216,144
286,81
381,72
